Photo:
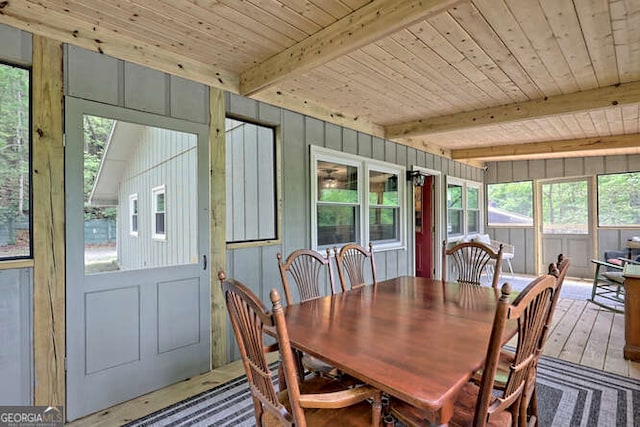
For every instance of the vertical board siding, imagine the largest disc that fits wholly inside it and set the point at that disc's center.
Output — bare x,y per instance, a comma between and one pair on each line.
16,369
162,157
266,176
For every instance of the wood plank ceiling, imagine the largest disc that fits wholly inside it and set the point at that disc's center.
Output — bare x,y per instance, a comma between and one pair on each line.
469,79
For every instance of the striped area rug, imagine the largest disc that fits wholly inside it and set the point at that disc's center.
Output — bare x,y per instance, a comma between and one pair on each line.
568,394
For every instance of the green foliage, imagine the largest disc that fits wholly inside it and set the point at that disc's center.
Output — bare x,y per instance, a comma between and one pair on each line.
516,197
96,134
565,207
14,145
619,199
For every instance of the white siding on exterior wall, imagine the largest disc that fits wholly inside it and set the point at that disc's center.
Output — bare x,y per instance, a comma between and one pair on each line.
168,158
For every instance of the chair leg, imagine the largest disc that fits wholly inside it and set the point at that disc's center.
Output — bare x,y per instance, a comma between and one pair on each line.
533,408
510,267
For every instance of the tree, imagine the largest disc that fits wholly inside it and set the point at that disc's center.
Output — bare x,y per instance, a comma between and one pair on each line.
96,134
14,147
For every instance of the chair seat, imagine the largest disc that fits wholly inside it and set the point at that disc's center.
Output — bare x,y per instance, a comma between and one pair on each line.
354,415
320,367
463,413
614,276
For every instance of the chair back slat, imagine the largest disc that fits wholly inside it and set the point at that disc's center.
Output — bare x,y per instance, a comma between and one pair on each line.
306,269
250,319
531,310
351,261
471,260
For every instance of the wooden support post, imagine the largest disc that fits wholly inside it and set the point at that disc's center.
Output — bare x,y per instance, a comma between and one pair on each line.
218,210
48,223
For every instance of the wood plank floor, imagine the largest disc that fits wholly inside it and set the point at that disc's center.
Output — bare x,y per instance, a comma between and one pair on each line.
582,333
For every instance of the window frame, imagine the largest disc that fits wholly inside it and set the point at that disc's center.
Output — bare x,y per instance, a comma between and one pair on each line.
134,211
277,196
155,192
364,167
465,184
10,261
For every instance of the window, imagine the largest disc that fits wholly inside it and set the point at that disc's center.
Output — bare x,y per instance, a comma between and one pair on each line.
355,200
133,213
619,200
15,175
251,182
510,204
159,209
473,210
384,206
463,207
565,208
454,210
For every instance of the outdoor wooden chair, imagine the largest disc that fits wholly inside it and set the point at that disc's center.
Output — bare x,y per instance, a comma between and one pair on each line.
482,404
351,259
316,402
608,284
306,267
471,260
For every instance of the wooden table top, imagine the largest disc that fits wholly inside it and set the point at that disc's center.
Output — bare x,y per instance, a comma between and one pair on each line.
414,338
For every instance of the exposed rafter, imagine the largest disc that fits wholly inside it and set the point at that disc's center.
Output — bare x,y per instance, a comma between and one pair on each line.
28,16
549,147
362,27
616,95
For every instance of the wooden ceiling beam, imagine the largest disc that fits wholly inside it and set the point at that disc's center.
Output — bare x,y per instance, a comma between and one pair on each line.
549,147
358,29
616,95
30,16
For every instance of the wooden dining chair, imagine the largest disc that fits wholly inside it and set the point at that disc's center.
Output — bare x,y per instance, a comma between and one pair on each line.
471,260
316,402
529,411
481,404
306,268
351,259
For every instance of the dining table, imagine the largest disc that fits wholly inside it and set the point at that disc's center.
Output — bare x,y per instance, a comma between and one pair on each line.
417,339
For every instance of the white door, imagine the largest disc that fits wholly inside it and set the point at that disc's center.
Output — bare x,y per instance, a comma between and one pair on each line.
567,224
138,295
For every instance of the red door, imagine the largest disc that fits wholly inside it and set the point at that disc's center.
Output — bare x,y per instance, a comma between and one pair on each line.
424,228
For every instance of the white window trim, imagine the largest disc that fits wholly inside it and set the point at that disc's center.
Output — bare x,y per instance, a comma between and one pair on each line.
465,225
132,198
155,192
364,165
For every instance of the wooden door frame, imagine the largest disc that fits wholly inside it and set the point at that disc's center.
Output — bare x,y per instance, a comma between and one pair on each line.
437,218
540,267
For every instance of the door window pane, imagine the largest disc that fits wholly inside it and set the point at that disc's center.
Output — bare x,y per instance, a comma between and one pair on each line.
565,208
15,175
140,191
